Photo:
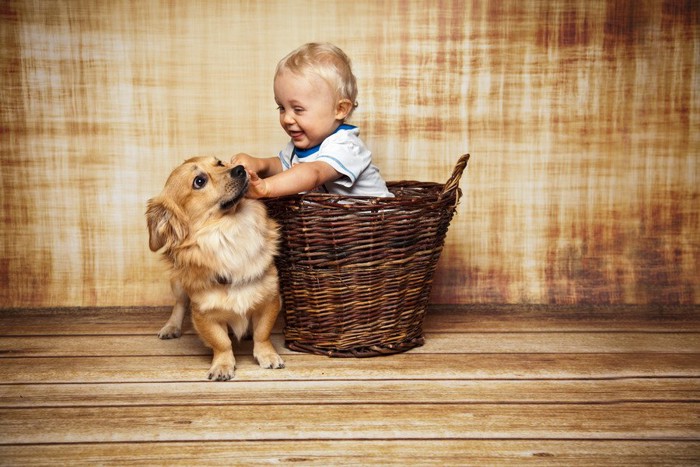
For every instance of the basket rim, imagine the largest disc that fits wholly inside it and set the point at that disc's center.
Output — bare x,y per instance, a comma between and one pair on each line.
326,198
431,192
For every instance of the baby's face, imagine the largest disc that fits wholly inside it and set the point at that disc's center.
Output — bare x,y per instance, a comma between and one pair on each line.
308,108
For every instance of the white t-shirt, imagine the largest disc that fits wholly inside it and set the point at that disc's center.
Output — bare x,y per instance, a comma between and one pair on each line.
347,154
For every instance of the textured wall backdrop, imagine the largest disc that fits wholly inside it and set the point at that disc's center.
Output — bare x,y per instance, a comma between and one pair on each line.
582,118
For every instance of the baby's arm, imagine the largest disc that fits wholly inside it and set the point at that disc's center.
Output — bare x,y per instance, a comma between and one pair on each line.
265,167
301,177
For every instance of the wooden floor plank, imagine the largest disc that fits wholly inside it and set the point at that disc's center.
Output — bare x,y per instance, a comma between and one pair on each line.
494,385
547,318
310,367
283,392
439,318
466,343
637,421
363,452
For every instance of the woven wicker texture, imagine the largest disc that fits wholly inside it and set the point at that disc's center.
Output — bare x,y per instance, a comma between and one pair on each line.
356,273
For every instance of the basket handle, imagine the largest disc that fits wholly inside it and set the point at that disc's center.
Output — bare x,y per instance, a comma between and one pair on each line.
453,182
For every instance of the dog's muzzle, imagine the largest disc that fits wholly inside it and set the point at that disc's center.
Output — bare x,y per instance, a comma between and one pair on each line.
238,172
239,183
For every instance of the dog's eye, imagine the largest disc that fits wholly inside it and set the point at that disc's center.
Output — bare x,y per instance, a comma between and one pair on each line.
199,182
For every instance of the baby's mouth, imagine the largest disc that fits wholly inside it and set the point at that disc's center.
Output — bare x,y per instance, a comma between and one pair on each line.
296,134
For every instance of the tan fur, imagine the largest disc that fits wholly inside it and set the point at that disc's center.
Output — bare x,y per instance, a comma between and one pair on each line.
220,248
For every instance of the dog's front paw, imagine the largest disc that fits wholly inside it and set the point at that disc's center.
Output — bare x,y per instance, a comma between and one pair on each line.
221,372
270,361
170,331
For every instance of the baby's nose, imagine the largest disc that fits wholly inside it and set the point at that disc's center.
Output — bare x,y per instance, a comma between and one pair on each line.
287,118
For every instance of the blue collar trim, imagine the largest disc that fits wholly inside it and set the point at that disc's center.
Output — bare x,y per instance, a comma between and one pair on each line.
301,153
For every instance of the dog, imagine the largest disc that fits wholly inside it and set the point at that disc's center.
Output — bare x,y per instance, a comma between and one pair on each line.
220,248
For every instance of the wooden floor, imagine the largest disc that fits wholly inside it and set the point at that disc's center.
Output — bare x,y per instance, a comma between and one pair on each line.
493,385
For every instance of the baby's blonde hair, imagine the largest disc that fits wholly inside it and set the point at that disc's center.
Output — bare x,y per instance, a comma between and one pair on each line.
327,61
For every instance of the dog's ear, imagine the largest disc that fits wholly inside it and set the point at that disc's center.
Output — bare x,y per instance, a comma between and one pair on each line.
166,223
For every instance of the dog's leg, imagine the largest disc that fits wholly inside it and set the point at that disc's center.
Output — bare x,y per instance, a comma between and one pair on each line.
263,320
173,327
214,333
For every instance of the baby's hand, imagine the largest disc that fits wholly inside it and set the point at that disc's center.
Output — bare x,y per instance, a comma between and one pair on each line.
246,160
257,187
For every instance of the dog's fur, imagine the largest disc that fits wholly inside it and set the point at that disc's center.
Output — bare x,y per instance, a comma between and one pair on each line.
220,248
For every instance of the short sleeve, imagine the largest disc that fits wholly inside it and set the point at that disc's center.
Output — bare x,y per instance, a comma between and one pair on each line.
285,156
347,155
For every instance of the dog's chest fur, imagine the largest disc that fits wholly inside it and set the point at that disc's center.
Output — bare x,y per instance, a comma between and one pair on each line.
229,263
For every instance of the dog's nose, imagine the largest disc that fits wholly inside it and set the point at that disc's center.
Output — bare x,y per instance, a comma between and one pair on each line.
238,171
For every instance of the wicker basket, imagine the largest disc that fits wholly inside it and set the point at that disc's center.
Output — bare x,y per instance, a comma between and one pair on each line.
356,272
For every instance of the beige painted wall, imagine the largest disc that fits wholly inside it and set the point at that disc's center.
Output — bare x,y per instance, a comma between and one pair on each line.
582,118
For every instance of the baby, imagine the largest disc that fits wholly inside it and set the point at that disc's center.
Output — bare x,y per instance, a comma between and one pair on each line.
315,92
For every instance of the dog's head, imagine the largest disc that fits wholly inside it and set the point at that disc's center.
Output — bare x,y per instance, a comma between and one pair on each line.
201,189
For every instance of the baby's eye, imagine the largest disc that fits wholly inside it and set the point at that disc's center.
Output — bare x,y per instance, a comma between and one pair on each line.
298,110
280,108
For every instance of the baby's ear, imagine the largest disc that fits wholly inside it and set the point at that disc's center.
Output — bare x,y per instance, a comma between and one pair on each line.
343,109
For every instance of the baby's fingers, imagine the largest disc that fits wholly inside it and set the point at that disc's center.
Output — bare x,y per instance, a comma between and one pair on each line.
257,188
239,159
